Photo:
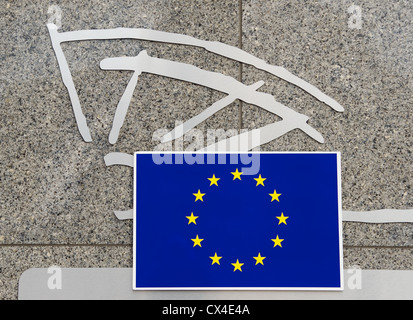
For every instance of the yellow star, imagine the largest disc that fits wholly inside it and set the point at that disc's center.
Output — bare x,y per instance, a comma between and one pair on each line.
282,219
237,266
215,259
214,181
277,242
259,259
260,181
192,219
197,241
275,196
199,196
237,174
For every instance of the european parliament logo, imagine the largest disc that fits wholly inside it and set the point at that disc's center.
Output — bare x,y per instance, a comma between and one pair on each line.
214,226
204,226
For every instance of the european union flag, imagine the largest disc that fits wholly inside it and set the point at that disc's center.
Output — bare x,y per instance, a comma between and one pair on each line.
210,224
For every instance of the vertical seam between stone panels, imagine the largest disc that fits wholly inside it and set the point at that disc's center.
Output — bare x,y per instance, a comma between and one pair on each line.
240,16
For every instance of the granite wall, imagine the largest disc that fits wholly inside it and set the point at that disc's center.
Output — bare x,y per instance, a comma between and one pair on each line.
57,196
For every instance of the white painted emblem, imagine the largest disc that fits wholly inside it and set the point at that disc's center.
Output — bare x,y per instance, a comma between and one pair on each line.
233,88
143,63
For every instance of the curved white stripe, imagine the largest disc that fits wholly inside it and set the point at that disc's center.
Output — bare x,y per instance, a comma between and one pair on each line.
218,48
381,216
68,82
119,159
124,215
189,73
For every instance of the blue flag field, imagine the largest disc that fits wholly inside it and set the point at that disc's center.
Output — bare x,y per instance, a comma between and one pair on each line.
216,227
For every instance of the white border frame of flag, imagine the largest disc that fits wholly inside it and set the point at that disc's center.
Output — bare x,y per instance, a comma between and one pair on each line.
340,223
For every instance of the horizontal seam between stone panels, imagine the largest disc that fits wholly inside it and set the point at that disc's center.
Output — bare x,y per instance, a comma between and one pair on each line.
379,247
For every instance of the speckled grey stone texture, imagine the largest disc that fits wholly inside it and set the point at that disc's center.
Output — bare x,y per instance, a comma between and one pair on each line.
55,187
382,235
369,71
379,258
17,259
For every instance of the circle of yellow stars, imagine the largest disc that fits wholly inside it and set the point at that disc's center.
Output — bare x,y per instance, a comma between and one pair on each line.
216,259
